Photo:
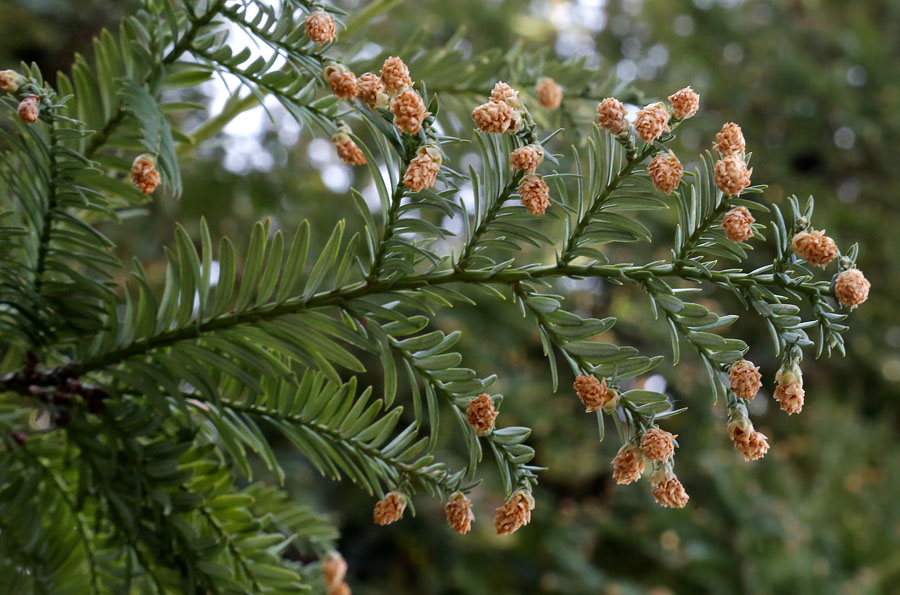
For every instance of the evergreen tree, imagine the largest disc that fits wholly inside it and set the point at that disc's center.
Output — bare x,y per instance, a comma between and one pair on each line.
131,416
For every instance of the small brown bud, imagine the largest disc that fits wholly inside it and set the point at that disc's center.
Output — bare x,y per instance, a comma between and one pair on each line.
390,509
592,392
347,149
409,111
480,414
852,288
342,80
731,175
28,109
526,159
497,117
745,379
395,75
670,493
535,194
549,94
514,514
423,169
737,224
817,248
665,171
10,80
730,140
320,27
790,397
753,446
658,445
459,513
503,92
334,569
651,122
628,464
685,103
144,174
611,115
369,87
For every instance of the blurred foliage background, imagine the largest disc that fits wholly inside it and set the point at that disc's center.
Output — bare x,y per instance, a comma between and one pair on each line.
814,84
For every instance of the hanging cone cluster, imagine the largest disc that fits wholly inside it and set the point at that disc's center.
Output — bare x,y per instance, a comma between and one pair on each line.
535,194
526,159
459,513
670,493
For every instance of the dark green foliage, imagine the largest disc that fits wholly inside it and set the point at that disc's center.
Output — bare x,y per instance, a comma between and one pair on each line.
139,401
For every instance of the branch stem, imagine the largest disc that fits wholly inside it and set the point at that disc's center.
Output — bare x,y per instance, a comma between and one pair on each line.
335,436
361,289
488,218
600,200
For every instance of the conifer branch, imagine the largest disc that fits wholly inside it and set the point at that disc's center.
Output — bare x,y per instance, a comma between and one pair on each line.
633,159
391,222
354,291
489,217
101,137
269,340
441,482
359,290
580,364
65,495
47,224
226,538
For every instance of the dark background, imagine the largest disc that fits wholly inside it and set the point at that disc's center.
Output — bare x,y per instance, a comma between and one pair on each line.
814,85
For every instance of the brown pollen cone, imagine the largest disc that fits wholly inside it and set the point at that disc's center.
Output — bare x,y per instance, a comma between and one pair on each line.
459,513
851,288
514,514
480,414
658,445
390,509
628,464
